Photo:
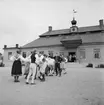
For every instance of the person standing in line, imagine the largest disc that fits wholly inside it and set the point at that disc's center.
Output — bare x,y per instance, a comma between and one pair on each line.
63,64
42,69
47,67
17,65
27,65
70,58
57,64
33,66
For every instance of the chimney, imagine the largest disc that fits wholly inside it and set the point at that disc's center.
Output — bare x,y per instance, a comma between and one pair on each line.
50,28
101,23
5,46
17,45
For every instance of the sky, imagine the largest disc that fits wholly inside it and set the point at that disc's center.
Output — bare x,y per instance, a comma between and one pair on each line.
22,21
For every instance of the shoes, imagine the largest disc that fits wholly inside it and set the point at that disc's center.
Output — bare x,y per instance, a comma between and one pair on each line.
59,75
56,74
32,83
14,80
17,81
27,83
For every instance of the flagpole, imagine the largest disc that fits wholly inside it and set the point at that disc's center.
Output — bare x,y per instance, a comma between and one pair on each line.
74,13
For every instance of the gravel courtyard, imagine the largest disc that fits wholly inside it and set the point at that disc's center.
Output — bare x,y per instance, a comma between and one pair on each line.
80,86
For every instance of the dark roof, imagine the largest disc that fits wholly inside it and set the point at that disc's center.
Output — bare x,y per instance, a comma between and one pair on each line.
44,42
51,41
66,31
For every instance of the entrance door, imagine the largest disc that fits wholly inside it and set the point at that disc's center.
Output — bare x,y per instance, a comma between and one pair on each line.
72,56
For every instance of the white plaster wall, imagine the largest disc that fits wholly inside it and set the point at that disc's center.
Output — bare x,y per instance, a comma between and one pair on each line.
45,49
7,62
88,48
90,54
51,48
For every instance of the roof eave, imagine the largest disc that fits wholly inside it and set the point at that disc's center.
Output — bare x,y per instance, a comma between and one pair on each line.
12,48
79,32
40,46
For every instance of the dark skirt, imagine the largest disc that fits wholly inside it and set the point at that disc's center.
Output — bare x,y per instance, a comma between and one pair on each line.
16,68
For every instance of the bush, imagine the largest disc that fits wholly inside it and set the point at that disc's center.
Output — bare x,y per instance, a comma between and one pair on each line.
90,65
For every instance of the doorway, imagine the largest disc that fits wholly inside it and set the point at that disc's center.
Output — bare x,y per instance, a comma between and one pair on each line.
72,56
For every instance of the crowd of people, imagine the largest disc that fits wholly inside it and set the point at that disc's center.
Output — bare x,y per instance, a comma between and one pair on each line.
72,58
37,65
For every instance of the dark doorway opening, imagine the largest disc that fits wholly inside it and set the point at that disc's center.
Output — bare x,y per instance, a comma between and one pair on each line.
72,56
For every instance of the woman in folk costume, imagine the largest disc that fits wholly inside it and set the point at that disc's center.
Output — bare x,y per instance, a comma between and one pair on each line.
27,65
43,65
51,65
17,66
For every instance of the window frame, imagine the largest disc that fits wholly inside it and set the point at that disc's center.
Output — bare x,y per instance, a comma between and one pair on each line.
9,55
41,52
97,53
82,54
61,53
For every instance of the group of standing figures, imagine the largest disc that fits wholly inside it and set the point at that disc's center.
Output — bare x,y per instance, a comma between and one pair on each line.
37,65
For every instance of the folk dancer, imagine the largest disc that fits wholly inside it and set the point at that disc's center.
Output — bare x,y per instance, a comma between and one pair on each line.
33,66
42,66
57,64
51,65
27,65
17,65
63,64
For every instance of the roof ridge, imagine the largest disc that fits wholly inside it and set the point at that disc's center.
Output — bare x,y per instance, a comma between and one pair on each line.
69,28
48,32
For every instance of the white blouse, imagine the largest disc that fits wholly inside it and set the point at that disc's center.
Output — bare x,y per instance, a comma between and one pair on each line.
13,58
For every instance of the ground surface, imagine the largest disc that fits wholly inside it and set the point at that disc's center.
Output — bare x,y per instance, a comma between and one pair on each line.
80,86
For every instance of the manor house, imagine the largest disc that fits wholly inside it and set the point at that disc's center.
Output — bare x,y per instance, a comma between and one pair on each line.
85,43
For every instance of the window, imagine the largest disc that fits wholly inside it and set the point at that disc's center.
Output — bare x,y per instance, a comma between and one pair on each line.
82,54
41,52
61,53
24,54
9,55
97,53
50,53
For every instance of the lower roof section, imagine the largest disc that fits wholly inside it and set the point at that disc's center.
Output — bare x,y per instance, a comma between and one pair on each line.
47,41
72,43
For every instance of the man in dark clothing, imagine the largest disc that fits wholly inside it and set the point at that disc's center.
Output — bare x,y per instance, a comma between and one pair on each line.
32,70
57,64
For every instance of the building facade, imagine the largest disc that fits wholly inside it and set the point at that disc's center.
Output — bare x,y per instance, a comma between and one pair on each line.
85,43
